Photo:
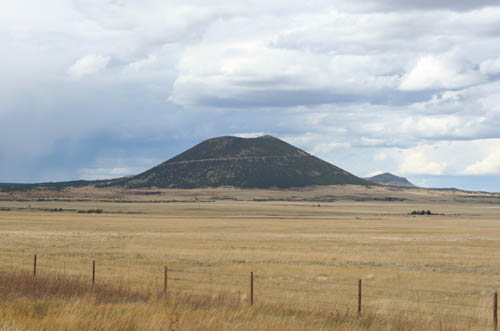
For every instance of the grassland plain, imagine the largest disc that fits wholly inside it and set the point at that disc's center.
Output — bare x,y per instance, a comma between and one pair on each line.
307,249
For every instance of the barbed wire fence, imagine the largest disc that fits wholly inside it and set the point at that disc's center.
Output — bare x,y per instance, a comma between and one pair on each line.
477,308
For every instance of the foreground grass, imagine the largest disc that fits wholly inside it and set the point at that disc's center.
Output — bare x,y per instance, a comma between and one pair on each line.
67,303
425,272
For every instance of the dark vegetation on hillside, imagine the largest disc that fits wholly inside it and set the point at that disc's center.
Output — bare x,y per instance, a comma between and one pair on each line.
55,186
262,162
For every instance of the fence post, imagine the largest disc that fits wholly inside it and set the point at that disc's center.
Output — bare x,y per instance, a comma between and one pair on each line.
495,310
93,273
211,295
165,280
34,266
251,288
359,297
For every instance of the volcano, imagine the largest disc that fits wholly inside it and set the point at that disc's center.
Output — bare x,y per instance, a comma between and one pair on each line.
262,162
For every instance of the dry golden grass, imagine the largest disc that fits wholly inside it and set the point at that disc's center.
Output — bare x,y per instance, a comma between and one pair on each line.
433,272
67,303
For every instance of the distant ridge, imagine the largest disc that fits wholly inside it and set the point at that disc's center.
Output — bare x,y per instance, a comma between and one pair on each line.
390,180
262,162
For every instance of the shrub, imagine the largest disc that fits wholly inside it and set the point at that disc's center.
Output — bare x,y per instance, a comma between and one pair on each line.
421,212
91,211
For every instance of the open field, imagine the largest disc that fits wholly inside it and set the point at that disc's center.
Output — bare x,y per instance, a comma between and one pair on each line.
307,250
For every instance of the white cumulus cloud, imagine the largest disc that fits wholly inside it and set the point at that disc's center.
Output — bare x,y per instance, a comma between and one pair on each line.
490,66
142,63
416,161
488,165
438,72
87,65
488,159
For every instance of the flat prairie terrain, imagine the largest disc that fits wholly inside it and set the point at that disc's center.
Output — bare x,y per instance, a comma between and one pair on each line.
307,249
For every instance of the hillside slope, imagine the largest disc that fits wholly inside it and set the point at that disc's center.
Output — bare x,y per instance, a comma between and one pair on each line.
390,180
261,162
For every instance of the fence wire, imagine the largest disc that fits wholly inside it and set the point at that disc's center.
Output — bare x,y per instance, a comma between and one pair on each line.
334,295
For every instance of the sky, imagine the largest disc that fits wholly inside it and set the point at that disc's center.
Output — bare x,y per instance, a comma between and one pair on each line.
94,89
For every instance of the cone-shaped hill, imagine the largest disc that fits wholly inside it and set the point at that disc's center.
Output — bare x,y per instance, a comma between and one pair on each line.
390,180
242,162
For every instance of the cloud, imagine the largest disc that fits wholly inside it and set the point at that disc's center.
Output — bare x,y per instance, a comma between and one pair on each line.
380,156
141,63
334,57
105,173
367,85
434,126
489,165
114,167
442,158
249,134
87,65
253,75
452,5
490,66
415,161
488,160
438,72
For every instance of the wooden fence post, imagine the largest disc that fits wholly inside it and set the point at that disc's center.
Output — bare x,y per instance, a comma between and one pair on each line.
34,266
93,273
251,288
211,295
359,297
165,280
495,310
